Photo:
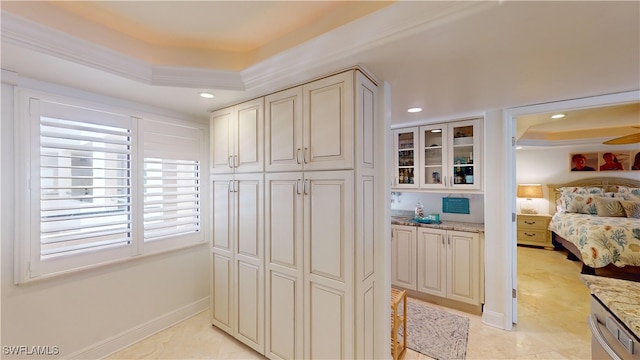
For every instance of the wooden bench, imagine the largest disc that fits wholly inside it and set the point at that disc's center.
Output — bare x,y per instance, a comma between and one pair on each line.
398,348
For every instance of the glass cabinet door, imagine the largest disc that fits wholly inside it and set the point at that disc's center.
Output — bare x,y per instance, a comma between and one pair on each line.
433,151
406,142
464,142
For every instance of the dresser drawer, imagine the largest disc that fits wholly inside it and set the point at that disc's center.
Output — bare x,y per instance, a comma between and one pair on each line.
533,230
532,237
530,222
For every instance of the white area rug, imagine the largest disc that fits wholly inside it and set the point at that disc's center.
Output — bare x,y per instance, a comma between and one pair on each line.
435,333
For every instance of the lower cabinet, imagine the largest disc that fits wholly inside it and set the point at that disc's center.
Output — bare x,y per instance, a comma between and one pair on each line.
442,263
403,253
309,279
237,253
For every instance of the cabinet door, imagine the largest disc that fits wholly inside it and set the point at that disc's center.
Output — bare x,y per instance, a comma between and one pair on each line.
464,159
221,129
328,265
406,173
283,261
249,260
328,123
434,173
463,262
403,256
222,245
249,136
283,131
432,261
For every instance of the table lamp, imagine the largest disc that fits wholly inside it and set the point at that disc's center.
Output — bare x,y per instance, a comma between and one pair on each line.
529,191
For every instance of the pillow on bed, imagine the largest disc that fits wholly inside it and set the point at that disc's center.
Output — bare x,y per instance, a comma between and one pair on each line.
629,193
583,205
631,208
609,207
580,199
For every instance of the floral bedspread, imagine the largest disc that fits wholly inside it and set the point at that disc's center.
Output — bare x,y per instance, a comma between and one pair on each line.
601,240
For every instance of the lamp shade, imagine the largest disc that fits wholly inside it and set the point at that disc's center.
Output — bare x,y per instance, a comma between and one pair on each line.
530,191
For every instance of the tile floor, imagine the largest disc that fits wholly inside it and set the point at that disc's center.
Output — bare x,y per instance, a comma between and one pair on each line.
553,306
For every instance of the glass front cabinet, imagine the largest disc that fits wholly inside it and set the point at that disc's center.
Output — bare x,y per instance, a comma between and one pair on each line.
406,158
447,156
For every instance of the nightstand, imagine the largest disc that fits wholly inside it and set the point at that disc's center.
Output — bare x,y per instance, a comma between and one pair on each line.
533,230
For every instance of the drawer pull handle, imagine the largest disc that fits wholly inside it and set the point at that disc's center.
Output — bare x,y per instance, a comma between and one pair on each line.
529,222
529,234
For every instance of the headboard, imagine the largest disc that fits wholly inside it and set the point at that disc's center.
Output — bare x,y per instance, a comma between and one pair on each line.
607,183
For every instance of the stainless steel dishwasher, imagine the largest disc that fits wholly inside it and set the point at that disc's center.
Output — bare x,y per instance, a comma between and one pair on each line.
610,338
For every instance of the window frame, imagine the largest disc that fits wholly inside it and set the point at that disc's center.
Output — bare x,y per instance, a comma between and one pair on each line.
30,106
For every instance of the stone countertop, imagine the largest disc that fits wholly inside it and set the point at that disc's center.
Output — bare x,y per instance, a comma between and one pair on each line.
444,224
622,297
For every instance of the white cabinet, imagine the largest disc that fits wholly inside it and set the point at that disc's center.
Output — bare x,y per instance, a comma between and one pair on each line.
284,224
310,127
237,138
450,155
403,253
405,143
237,257
439,156
309,221
312,292
444,263
449,264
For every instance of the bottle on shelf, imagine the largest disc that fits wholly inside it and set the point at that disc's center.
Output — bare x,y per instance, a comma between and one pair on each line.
419,212
468,178
459,179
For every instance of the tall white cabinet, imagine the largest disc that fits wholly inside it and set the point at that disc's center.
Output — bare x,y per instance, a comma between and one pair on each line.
302,285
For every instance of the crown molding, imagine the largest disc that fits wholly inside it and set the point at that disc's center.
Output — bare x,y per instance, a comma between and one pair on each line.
562,143
196,78
31,35
317,57
314,58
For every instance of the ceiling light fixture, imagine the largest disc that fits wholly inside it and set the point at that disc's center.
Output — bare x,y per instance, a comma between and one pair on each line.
206,95
557,116
415,110
436,130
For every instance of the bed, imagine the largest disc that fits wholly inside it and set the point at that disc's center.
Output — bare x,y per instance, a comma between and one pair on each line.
589,219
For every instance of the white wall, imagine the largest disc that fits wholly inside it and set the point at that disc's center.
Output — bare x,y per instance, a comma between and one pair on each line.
92,313
551,165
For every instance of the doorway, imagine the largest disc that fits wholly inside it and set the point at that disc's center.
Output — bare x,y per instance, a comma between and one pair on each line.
511,116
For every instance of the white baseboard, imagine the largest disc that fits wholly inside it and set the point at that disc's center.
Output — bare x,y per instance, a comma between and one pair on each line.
128,337
494,319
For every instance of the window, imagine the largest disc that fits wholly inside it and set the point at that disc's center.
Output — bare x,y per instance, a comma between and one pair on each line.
85,187
103,187
171,198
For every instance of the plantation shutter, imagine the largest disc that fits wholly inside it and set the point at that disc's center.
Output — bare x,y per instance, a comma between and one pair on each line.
172,186
85,181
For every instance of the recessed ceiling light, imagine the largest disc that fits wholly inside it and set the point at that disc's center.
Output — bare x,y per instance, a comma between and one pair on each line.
436,130
557,116
206,95
518,147
415,110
